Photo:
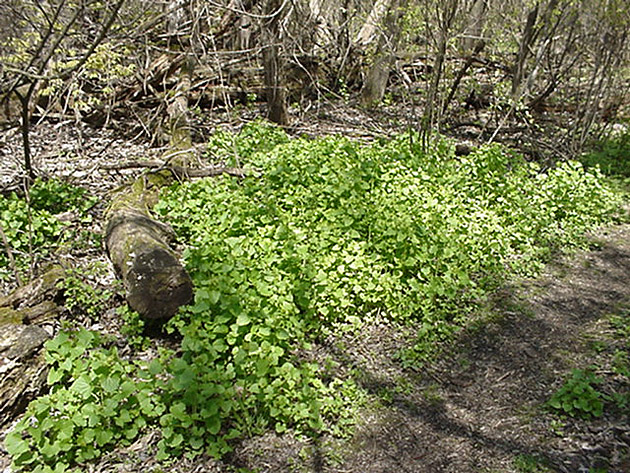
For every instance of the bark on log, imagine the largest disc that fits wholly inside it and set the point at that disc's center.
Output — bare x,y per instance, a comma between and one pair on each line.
22,368
155,282
42,290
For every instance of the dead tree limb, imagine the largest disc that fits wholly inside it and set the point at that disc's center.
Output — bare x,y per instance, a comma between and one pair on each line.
155,282
179,172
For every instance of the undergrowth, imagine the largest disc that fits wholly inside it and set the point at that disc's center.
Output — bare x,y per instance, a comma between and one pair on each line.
611,155
30,224
333,230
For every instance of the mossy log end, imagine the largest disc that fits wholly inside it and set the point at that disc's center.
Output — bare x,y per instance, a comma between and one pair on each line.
156,284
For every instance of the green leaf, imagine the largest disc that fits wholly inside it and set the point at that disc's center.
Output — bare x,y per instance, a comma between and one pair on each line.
214,296
54,376
242,320
196,443
213,424
103,437
155,367
15,444
176,440
82,387
110,385
555,403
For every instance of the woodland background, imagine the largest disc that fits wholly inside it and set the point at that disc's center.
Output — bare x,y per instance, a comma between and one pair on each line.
548,75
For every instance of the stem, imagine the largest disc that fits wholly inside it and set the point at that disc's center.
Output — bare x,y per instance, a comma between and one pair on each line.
12,264
25,128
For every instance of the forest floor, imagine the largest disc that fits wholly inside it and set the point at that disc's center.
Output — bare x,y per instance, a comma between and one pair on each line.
479,407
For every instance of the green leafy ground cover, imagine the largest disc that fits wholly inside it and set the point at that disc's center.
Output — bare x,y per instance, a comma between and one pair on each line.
333,231
31,226
611,155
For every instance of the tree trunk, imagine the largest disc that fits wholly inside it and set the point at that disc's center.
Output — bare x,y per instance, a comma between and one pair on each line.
433,111
25,101
473,34
375,82
462,72
274,66
523,52
369,31
377,75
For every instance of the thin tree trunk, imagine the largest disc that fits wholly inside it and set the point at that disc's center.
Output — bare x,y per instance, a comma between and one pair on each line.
25,101
368,32
523,52
377,75
472,35
462,72
274,67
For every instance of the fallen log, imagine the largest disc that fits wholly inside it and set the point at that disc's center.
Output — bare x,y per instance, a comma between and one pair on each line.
44,290
22,366
155,282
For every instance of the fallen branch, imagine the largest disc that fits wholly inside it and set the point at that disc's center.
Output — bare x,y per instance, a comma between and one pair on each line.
178,171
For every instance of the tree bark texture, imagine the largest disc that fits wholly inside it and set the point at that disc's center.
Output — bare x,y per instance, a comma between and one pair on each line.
523,52
155,282
273,65
377,75
373,23
22,366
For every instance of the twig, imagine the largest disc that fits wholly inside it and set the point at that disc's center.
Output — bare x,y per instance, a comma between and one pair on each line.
178,171
29,210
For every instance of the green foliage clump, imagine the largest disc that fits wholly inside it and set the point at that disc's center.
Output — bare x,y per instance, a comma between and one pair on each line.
133,327
611,155
34,226
578,397
96,400
57,196
335,230
82,297
351,228
525,463
237,149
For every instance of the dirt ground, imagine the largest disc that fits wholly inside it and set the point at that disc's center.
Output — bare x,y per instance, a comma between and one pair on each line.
478,408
